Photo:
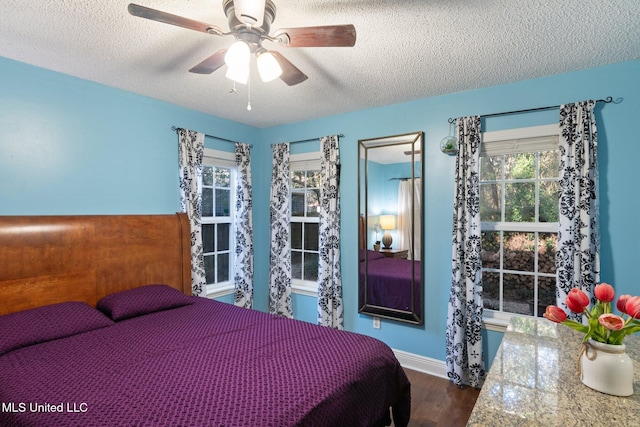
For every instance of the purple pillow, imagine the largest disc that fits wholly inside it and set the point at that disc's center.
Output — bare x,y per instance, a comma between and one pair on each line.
143,300
48,323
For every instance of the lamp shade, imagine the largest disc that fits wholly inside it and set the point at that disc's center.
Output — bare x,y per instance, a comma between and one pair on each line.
268,66
388,222
238,55
238,74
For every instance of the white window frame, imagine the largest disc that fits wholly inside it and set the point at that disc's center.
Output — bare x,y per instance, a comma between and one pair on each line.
297,162
223,159
527,139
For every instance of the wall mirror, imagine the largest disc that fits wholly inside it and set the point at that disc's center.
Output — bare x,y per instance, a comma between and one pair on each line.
390,171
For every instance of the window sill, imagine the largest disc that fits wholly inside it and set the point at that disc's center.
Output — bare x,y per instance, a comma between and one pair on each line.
300,287
495,324
220,291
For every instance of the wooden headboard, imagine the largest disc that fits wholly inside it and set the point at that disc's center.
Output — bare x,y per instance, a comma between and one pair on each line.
50,259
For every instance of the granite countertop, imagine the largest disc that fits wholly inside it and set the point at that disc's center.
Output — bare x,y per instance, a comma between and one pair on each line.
534,381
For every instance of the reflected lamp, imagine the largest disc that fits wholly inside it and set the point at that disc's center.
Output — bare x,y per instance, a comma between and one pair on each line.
387,222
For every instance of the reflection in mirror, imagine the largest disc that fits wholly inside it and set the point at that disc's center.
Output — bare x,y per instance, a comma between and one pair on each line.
390,171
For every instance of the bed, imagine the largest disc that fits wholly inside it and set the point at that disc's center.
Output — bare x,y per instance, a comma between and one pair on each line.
98,328
389,281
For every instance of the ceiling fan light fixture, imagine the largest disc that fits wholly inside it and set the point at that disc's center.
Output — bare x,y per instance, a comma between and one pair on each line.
238,55
268,66
239,74
250,12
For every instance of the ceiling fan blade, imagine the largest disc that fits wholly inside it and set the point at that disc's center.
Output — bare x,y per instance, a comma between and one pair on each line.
210,64
168,18
291,75
323,36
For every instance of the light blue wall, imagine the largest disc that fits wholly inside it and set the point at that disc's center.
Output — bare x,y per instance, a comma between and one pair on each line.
68,146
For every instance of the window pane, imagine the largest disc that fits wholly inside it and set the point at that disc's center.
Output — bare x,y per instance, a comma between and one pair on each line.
519,202
223,201
296,235
313,179
207,175
518,251
297,179
223,267
223,177
548,210
207,237
313,202
518,293
311,236
223,237
491,290
549,164
207,202
297,203
490,202
490,249
310,266
490,168
296,265
546,293
520,166
209,261
547,245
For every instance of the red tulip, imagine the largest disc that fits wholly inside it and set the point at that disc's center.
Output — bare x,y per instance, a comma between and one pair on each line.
610,321
555,314
604,292
633,307
577,300
622,302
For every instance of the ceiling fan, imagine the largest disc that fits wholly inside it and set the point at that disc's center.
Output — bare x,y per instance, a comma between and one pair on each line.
250,23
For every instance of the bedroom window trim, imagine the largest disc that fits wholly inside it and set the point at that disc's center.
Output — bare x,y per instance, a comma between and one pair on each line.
305,161
512,141
223,159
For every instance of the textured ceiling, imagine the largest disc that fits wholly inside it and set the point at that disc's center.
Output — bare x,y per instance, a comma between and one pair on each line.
404,50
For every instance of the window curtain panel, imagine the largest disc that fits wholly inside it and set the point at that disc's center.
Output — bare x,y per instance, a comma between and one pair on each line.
407,191
330,309
243,266
190,152
280,215
578,253
464,358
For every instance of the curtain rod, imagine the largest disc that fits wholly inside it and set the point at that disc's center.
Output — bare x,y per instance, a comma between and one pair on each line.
310,139
607,100
175,129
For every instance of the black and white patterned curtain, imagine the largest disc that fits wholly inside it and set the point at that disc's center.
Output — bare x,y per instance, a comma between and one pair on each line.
280,254
243,268
330,310
190,151
578,253
464,358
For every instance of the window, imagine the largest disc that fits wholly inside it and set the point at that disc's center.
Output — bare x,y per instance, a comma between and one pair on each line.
305,210
519,214
218,187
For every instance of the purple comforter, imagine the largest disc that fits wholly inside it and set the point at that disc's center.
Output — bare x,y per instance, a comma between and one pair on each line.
206,364
390,284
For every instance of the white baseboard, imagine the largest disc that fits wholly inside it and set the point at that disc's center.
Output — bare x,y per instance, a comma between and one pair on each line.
422,364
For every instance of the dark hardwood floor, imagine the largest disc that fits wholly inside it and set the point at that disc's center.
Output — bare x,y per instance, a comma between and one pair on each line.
438,402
